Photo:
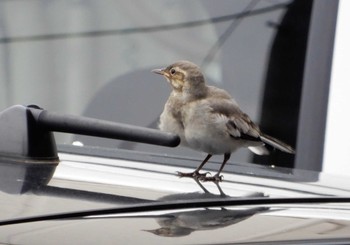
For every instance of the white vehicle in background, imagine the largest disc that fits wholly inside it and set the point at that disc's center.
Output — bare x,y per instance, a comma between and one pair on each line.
336,155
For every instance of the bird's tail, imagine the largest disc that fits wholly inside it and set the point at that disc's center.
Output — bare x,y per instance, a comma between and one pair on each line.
275,143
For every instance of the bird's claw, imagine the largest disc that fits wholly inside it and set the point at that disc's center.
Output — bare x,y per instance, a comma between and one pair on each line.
194,174
202,176
216,178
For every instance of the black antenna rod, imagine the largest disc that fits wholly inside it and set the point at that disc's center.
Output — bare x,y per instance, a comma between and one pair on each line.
26,132
56,122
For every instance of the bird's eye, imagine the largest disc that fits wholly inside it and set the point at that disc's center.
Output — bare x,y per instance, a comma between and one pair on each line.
172,71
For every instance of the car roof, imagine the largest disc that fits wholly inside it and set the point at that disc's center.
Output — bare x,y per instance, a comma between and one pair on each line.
83,183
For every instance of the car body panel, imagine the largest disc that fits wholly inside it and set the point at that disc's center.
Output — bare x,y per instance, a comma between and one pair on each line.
82,183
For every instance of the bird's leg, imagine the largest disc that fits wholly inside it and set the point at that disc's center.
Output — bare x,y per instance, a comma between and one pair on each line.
195,173
201,186
222,193
217,177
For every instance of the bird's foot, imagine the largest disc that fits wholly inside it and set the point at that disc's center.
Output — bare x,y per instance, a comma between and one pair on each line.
216,178
195,174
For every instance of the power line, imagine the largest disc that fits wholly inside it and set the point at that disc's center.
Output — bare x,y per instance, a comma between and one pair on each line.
221,40
135,30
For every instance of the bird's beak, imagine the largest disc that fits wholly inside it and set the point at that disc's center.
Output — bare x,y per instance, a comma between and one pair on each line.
159,71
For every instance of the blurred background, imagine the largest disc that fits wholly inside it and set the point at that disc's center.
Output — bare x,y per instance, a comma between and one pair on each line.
93,58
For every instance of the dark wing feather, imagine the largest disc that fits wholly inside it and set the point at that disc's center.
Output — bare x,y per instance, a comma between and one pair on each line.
275,143
240,126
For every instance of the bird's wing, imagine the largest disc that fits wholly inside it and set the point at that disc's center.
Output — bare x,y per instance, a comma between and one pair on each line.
240,127
238,124
241,123
247,130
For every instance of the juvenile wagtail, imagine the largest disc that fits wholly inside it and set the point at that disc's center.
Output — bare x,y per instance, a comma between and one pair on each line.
208,119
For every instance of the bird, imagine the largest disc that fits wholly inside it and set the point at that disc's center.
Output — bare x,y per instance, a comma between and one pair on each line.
183,223
208,119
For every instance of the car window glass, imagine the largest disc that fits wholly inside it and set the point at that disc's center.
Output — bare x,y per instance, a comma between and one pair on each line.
93,58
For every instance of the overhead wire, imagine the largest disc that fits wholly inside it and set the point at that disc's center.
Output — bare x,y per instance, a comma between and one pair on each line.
227,33
146,29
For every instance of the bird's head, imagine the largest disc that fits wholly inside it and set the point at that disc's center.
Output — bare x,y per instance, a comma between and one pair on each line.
183,76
